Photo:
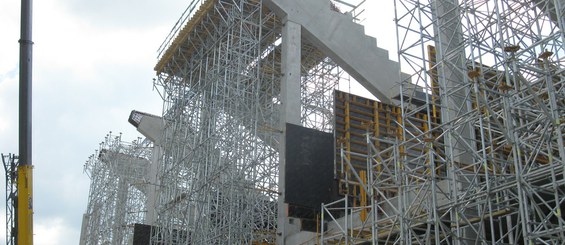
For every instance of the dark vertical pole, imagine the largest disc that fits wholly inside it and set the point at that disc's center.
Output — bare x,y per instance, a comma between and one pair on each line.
25,176
25,84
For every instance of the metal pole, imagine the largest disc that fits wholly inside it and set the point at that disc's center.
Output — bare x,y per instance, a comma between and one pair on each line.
24,183
25,84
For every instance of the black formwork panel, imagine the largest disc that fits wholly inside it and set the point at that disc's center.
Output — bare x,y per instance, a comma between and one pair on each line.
309,175
141,234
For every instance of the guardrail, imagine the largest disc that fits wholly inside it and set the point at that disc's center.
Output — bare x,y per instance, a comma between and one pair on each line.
185,17
352,7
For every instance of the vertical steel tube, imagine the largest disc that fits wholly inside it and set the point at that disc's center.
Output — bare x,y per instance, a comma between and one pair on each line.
25,84
24,224
25,183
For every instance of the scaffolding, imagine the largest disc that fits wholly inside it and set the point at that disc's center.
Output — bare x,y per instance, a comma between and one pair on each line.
473,151
481,151
470,151
478,151
219,78
368,137
10,162
118,189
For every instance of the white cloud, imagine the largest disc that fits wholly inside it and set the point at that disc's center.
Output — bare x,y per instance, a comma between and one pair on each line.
8,110
90,71
47,231
9,17
3,226
124,13
379,23
54,231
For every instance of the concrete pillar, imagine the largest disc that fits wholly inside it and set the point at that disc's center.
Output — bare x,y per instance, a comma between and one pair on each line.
84,229
120,211
290,82
152,127
454,88
452,70
289,112
153,186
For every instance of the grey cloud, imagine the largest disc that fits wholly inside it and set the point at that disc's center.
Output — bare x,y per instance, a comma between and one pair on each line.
127,14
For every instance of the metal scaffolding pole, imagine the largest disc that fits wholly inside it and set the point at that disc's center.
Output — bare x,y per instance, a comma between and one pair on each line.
220,172
493,165
220,80
10,163
119,185
473,152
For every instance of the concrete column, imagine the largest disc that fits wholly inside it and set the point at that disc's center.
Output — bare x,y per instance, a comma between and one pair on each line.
153,187
452,79
152,127
120,211
289,112
84,229
290,82
454,88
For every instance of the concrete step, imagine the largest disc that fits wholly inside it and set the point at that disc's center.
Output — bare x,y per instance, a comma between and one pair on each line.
345,42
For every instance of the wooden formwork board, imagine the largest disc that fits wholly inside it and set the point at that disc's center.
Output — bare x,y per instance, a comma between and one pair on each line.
355,118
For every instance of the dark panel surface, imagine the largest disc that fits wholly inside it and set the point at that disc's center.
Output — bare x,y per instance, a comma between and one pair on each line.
141,234
309,168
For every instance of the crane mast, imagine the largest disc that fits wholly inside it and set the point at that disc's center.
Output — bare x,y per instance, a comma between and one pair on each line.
24,223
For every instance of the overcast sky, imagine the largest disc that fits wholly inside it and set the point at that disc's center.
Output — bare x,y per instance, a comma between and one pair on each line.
93,63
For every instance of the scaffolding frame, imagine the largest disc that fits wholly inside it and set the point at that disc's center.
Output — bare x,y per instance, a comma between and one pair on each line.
491,149
369,148
220,85
472,153
118,189
10,162
219,173
368,221
317,88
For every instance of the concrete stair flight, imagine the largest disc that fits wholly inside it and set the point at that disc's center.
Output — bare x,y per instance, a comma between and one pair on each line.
345,42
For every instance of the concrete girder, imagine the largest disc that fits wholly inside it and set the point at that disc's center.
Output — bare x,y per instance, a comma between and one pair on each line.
345,43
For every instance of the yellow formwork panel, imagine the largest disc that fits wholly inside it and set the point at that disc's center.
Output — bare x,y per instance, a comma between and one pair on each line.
184,34
355,117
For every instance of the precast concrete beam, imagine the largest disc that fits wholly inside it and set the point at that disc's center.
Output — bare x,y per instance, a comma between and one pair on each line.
345,43
150,126
128,166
